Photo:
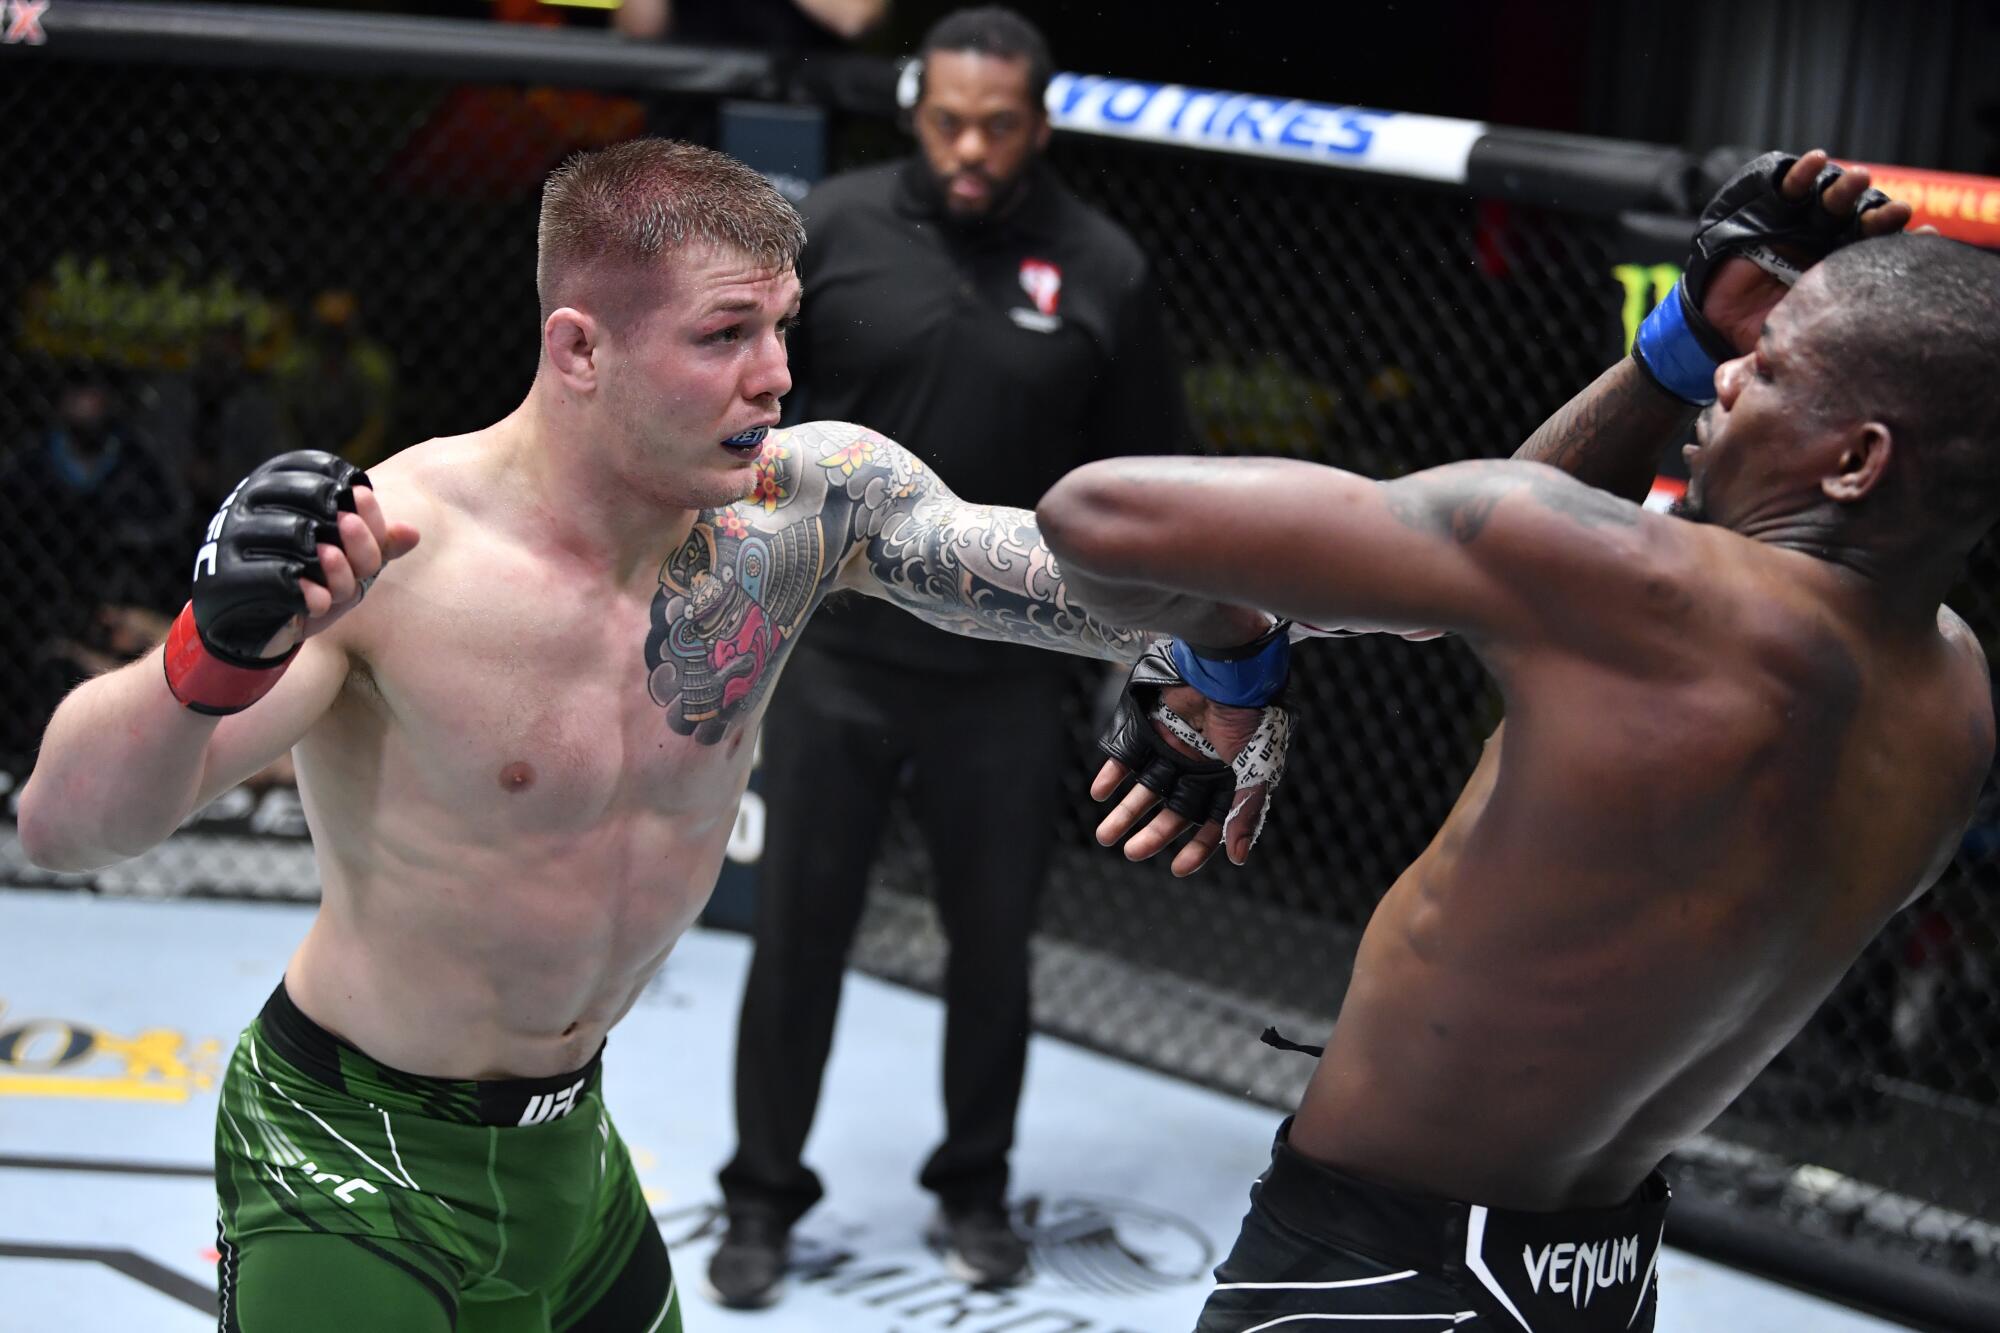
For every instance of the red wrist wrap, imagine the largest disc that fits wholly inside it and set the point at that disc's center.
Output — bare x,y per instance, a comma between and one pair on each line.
205,683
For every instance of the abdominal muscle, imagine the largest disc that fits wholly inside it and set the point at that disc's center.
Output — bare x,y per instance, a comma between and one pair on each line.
443,951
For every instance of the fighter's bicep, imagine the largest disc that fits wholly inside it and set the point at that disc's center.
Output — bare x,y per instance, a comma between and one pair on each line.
1536,555
1486,549
901,518
245,743
1312,543
975,569
944,558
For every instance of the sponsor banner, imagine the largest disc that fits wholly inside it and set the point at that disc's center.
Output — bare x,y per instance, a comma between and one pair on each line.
1966,208
1356,138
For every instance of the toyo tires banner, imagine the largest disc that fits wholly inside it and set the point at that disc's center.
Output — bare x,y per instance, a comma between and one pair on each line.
1358,138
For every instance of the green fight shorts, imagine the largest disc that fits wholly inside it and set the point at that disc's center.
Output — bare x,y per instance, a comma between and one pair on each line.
354,1196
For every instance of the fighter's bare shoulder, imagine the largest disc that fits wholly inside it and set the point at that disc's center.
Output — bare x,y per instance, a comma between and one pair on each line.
1535,547
1529,517
1457,500
416,486
1953,629
413,483
845,476
844,448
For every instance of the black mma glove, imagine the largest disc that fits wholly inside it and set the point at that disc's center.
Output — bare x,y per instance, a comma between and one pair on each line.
263,540
1201,789
1749,216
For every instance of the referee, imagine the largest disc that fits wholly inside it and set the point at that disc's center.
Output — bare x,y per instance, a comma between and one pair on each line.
966,304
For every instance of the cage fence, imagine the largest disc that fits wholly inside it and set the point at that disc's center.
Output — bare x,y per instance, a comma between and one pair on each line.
203,266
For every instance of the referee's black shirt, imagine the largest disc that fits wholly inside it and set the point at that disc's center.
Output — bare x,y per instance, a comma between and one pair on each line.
1003,354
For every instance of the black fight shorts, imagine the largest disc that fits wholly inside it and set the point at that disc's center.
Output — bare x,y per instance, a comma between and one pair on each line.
1319,1244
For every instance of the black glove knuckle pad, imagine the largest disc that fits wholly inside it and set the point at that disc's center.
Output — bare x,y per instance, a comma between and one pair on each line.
315,498
1751,210
261,543
1750,213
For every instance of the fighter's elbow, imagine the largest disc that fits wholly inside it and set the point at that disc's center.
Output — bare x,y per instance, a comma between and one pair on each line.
42,840
1059,515
1086,521
50,836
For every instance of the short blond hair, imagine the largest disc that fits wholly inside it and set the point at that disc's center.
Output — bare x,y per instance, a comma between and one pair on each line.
634,202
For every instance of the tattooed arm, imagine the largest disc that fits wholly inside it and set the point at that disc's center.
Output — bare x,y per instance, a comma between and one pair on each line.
984,570
1496,550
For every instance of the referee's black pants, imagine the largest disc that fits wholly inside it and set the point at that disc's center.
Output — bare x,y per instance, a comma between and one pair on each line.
982,758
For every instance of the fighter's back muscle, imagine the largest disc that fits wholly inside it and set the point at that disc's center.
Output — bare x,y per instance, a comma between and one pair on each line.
1655,873
1745,707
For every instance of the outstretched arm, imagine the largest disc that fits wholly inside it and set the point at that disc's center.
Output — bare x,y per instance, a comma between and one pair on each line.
1495,550
986,571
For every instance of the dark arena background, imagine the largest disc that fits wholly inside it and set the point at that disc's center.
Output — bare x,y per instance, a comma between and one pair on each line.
265,229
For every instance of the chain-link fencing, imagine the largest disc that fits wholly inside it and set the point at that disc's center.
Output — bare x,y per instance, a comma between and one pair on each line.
201,266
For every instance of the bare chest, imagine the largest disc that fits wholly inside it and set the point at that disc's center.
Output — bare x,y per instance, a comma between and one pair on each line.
539,701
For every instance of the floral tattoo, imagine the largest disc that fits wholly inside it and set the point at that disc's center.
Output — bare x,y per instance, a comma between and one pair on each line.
827,496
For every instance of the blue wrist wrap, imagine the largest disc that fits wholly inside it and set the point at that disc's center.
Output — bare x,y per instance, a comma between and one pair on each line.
1669,351
1249,681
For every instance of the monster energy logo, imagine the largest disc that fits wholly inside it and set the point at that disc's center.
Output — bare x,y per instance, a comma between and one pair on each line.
1646,285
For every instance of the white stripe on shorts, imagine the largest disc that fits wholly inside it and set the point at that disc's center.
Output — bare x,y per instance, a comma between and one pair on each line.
387,1174
1453,1318
664,1308
1317,1286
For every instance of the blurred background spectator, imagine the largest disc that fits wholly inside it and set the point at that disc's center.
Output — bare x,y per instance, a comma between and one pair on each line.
96,557
215,421
335,385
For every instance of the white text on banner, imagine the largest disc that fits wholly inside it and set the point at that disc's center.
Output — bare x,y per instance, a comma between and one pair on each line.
1357,138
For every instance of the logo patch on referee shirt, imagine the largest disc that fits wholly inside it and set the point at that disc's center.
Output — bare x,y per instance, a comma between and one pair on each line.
1042,281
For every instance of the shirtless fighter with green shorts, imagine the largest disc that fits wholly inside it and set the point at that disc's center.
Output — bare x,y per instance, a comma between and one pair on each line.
521,754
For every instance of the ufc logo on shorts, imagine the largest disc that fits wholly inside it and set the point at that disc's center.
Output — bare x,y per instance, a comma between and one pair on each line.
24,23
204,559
551,1105
343,1189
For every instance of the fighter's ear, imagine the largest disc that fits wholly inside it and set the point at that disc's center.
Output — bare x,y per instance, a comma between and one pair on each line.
909,92
569,340
1864,460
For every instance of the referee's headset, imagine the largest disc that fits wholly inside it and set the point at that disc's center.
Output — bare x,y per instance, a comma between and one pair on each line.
909,91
